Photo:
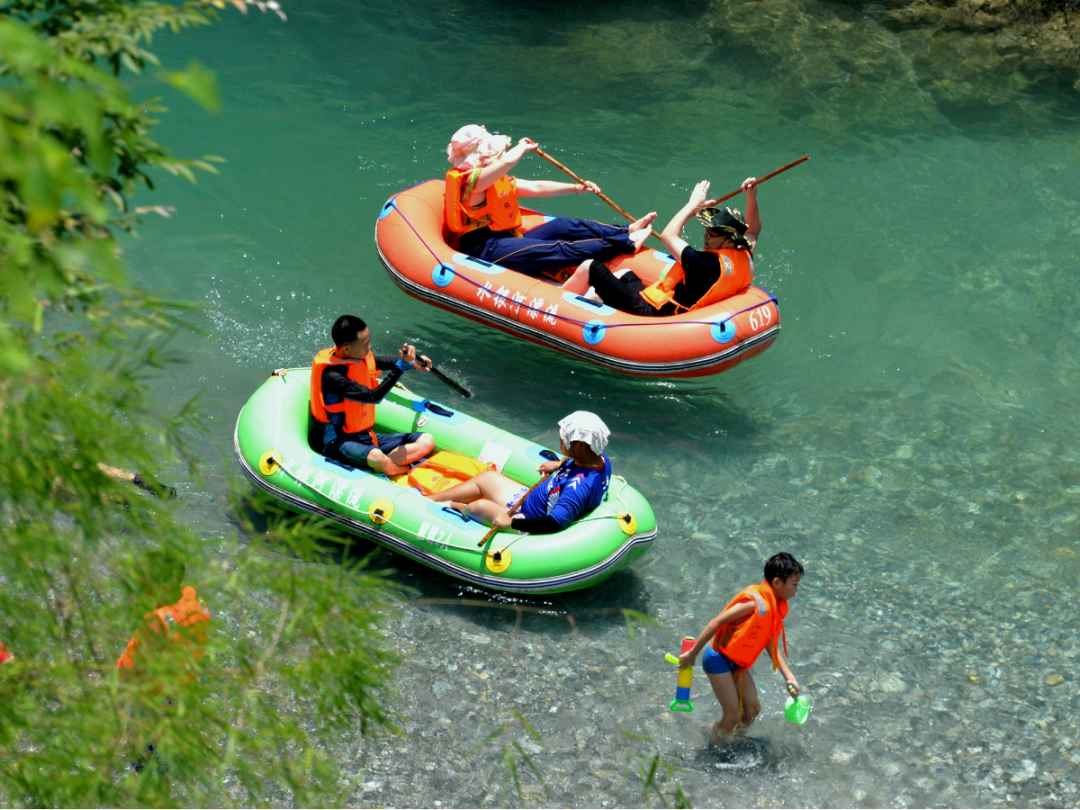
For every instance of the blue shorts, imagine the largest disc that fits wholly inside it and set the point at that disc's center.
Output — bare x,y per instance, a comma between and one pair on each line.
353,448
715,663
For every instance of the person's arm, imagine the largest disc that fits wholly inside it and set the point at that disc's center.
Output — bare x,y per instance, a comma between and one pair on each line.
753,218
338,382
385,363
497,168
732,614
671,236
789,678
553,188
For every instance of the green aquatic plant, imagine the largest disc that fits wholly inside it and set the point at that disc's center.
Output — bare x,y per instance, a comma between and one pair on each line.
294,635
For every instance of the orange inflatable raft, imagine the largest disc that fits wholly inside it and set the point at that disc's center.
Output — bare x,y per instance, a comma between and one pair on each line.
413,245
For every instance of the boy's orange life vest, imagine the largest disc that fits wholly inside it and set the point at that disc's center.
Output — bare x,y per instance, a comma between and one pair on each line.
359,416
190,612
736,273
764,627
499,210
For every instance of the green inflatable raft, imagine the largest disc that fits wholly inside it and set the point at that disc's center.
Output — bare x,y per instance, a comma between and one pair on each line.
271,443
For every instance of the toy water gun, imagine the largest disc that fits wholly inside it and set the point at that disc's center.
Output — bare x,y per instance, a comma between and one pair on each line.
682,703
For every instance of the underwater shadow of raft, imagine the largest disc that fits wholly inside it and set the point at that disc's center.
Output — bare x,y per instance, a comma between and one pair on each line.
571,612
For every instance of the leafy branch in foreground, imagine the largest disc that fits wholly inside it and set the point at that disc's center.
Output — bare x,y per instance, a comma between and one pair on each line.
505,770
294,661
653,774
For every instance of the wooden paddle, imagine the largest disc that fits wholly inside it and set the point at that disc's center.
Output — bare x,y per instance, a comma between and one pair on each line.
129,477
461,389
760,180
602,196
521,500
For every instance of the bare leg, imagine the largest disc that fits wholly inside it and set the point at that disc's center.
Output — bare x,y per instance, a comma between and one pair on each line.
727,692
486,510
579,282
398,460
488,485
751,705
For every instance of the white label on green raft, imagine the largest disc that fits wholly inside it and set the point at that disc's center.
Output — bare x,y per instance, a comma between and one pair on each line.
494,453
317,480
434,535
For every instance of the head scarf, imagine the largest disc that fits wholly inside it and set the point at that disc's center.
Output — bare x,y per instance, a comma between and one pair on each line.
728,222
473,146
582,426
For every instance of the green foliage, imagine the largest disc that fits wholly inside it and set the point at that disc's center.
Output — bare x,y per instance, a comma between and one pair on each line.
653,774
505,769
294,632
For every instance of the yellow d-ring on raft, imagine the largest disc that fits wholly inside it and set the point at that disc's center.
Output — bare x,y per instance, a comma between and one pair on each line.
382,510
270,462
627,522
497,566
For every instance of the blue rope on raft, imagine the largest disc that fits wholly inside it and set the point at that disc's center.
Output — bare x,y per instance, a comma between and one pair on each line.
544,312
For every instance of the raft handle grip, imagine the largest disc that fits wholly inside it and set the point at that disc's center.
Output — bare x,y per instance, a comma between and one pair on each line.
549,455
463,515
436,408
588,302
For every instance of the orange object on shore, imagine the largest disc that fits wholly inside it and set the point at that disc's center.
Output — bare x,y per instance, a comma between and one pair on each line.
190,612
415,246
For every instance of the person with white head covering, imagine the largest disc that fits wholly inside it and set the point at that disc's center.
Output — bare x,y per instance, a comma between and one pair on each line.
578,485
482,211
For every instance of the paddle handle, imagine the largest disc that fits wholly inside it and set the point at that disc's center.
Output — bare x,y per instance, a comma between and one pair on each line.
599,194
129,477
519,502
461,389
761,180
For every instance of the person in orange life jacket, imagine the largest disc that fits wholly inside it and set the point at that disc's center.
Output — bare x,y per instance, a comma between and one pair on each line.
753,621
482,212
578,486
345,388
725,266
185,620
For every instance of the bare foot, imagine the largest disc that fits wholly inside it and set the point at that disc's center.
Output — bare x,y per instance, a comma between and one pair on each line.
638,237
644,223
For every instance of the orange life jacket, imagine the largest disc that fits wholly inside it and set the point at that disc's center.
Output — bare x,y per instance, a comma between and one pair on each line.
736,273
764,627
444,470
190,612
4,654
359,416
499,210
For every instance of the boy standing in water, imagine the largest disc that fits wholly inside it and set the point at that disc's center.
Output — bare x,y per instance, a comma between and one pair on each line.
753,621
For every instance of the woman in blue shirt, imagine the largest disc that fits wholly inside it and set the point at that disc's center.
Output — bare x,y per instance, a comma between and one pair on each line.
577,487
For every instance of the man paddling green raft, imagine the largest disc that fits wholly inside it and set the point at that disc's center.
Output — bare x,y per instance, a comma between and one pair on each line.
345,388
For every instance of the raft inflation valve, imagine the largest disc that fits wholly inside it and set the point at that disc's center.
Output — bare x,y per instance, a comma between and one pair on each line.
382,510
269,462
497,561
627,522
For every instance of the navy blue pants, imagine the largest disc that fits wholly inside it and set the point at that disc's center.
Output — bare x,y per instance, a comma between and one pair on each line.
563,242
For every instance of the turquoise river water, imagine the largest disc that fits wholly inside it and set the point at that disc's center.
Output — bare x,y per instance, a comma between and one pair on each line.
908,437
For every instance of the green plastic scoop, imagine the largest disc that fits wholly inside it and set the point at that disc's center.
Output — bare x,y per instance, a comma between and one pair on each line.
797,709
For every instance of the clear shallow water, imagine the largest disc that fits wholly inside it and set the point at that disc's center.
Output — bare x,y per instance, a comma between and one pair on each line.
911,436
